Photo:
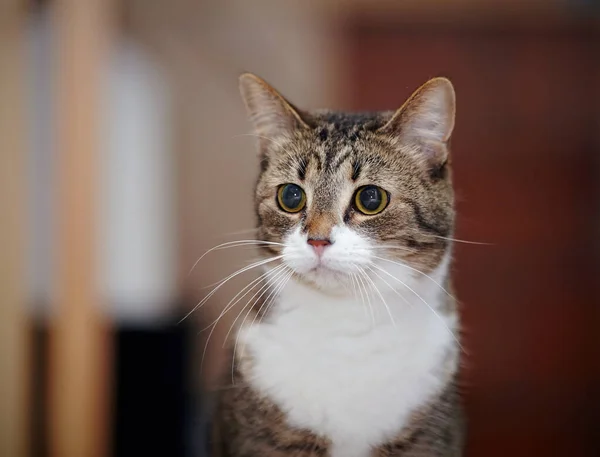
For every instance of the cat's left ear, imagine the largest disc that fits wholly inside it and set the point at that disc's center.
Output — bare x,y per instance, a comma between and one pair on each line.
270,113
425,122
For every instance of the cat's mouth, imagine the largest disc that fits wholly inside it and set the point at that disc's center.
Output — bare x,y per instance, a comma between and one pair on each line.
331,265
320,268
326,276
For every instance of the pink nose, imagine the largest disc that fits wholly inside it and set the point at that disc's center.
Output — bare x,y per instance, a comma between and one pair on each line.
319,245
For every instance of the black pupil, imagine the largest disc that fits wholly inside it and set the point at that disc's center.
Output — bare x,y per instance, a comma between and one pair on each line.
370,197
291,196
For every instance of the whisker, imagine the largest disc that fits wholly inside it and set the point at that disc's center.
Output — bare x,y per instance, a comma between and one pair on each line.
426,304
265,288
270,305
386,246
393,288
360,290
278,287
362,298
355,291
370,307
456,240
233,244
233,275
246,263
206,347
214,326
376,289
248,288
420,272
250,305
242,232
272,297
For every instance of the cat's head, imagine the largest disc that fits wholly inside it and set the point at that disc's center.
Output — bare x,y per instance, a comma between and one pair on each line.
340,192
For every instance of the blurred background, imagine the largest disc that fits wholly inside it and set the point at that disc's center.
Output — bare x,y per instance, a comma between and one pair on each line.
123,158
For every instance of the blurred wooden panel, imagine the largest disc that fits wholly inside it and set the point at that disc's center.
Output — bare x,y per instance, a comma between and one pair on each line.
79,342
14,325
526,156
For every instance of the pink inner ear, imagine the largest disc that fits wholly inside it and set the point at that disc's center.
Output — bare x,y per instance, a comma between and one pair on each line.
427,115
434,152
270,113
431,120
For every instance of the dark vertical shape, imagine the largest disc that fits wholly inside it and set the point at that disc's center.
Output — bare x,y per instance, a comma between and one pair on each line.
152,398
39,398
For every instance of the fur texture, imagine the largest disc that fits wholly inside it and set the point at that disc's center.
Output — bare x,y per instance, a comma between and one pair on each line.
354,350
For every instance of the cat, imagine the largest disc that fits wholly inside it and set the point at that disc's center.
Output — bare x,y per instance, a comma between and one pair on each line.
354,350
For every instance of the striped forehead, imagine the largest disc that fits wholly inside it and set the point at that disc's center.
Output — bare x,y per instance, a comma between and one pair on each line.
338,146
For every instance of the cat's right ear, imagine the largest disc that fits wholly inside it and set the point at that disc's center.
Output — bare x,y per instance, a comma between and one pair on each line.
426,121
271,115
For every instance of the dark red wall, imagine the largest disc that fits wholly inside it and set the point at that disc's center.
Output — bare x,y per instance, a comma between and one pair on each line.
526,157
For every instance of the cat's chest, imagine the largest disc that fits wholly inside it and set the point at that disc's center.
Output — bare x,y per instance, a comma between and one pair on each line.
338,376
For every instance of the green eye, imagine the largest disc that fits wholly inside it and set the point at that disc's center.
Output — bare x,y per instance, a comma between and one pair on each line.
291,198
371,200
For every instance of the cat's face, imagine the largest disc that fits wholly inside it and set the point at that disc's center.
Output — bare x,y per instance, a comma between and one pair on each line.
341,195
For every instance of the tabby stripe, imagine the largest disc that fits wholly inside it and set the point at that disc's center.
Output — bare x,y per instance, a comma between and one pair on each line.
302,169
356,169
318,160
342,159
422,222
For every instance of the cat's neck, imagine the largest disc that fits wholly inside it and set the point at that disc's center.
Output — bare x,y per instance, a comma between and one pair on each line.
301,306
381,304
317,356
366,304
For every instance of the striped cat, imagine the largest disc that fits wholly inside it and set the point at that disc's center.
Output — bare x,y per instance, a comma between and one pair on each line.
352,349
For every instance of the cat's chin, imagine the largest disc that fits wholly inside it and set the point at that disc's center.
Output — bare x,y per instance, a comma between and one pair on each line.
327,280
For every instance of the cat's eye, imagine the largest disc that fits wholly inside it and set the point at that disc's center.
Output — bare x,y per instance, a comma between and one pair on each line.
291,198
371,200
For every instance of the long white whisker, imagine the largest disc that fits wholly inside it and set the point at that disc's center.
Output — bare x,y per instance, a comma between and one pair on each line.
370,306
232,244
462,241
233,275
376,289
397,292
355,292
362,298
214,326
273,295
242,232
272,301
250,305
417,271
425,302
281,270
276,289
403,248
245,291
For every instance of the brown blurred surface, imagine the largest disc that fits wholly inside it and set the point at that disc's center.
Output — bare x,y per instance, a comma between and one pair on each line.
526,157
14,324
80,365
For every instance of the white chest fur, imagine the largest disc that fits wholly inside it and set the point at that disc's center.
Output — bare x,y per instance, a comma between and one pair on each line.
335,371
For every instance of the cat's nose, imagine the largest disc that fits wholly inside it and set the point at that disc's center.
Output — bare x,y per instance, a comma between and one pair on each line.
318,245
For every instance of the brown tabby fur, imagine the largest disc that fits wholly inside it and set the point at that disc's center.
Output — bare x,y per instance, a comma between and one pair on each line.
330,154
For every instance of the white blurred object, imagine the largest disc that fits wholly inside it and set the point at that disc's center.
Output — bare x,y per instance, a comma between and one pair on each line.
41,158
138,215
